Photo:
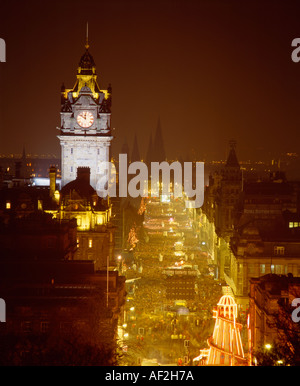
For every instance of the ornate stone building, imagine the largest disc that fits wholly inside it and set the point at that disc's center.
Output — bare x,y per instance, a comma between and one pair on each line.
221,198
95,233
85,139
270,318
85,131
250,228
265,239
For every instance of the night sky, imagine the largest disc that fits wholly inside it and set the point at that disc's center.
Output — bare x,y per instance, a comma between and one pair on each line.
211,70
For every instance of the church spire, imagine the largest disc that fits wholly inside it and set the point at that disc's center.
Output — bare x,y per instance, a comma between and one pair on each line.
159,149
135,155
24,153
149,155
232,158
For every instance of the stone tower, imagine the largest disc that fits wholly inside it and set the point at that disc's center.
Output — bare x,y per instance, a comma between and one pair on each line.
85,131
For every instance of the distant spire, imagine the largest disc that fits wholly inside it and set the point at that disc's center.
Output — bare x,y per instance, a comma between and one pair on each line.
135,155
159,149
24,153
232,158
125,148
87,36
149,155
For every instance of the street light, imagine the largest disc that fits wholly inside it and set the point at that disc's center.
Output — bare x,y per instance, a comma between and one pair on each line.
268,346
120,263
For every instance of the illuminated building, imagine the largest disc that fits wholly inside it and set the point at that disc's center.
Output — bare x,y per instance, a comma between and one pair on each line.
48,290
225,345
85,131
270,298
85,139
95,235
250,227
266,237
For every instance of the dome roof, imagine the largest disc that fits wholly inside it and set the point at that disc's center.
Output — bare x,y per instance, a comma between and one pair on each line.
81,185
84,189
226,300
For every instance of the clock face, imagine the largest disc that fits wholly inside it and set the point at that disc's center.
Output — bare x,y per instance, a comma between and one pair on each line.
85,119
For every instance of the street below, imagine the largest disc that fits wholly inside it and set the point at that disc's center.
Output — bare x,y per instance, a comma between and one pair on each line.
171,290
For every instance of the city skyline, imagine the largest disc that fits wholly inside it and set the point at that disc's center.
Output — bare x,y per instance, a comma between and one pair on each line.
210,71
111,256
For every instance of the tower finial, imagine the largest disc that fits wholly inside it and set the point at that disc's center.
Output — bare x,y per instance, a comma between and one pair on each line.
87,36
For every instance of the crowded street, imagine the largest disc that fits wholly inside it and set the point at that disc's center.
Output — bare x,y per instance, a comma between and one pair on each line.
163,327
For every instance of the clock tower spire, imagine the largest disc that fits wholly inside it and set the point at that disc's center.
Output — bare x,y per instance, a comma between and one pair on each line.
85,130
87,36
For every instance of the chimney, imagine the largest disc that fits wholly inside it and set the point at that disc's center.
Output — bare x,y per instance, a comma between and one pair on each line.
84,173
18,166
52,177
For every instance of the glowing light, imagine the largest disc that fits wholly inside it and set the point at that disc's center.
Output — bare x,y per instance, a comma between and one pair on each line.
225,343
268,346
179,253
56,196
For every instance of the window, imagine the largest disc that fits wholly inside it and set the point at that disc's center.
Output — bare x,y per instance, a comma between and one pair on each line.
71,169
26,326
279,250
8,205
278,269
293,224
71,150
44,326
262,268
90,243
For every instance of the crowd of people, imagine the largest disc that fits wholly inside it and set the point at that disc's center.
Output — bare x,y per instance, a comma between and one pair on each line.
159,327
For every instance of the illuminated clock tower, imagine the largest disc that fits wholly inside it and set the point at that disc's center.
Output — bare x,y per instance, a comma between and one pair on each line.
85,131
